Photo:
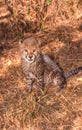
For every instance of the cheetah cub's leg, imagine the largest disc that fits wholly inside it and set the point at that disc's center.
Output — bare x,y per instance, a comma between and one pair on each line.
29,83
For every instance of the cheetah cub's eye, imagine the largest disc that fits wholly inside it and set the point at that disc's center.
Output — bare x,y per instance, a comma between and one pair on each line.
26,50
34,50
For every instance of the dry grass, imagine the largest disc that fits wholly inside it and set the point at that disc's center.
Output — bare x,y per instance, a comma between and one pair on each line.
21,110
60,30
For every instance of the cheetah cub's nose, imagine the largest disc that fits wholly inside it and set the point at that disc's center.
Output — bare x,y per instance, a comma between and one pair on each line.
30,57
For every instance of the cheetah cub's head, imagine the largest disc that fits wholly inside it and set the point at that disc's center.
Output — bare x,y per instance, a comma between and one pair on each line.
29,49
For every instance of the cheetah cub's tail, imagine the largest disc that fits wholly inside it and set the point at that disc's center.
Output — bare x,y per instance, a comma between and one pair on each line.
72,72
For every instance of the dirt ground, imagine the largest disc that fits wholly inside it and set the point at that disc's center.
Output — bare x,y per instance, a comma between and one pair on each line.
60,31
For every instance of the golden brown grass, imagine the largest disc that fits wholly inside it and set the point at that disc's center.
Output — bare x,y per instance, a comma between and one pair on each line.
59,25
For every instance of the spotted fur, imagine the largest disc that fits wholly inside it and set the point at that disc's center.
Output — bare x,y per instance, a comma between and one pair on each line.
40,69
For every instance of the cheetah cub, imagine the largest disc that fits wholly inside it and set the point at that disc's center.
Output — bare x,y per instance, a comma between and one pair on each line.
39,69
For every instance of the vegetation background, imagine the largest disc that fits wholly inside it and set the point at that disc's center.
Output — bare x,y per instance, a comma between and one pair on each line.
58,23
